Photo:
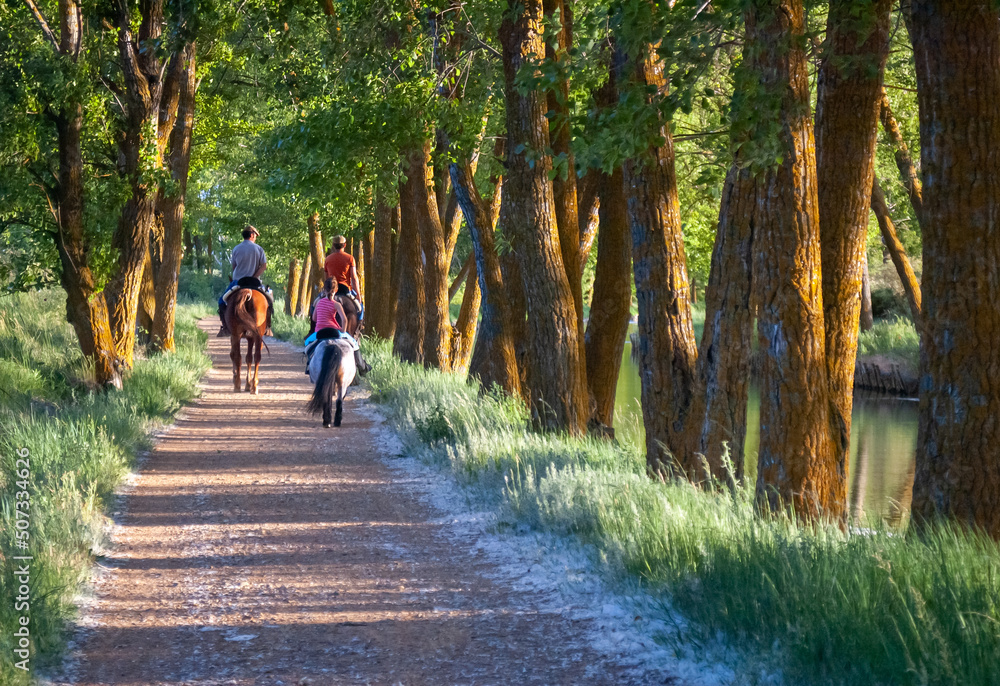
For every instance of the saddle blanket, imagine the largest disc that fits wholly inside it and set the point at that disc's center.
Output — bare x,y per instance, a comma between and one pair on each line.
316,350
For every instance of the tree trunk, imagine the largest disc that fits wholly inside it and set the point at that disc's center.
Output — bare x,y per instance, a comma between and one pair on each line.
848,105
305,281
468,321
797,460
380,300
463,273
141,73
86,308
365,270
147,301
564,184
493,360
907,170
436,263
408,343
866,317
210,247
292,287
317,253
172,207
723,368
557,393
957,53
588,207
897,252
609,307
667,350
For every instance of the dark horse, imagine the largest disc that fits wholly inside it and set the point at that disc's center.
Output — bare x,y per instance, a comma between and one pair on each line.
332,369
246,317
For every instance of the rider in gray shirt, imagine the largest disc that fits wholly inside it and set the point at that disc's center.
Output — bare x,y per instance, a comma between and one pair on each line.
247,259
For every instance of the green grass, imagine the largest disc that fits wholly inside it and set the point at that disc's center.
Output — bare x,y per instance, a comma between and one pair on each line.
82,443
287,328
820,605
895,338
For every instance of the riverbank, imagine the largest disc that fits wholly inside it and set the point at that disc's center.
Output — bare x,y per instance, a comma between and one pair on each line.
81,444
813,604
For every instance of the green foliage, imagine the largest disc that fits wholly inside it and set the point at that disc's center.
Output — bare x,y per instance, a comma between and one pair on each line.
82,443
821,606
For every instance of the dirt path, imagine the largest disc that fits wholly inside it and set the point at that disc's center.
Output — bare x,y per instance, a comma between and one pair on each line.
258,548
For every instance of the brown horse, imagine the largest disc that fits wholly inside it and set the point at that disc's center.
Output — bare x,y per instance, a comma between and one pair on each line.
354,325
246,317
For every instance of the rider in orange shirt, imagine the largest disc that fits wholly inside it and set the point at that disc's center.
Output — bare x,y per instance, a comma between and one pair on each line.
341,267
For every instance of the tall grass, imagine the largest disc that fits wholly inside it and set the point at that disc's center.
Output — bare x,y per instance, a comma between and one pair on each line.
823,606
895,338
82,443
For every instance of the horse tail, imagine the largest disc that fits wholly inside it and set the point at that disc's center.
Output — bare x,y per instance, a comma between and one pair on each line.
241,313
327,380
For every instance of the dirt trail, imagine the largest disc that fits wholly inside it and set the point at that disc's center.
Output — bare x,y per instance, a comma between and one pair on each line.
258,548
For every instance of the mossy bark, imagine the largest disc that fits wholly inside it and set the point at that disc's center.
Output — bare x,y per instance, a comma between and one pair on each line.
957,53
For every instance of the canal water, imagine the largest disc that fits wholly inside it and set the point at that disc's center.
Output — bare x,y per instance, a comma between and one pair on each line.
883,443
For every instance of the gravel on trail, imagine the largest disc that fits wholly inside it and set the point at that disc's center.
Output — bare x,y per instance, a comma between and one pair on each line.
256,547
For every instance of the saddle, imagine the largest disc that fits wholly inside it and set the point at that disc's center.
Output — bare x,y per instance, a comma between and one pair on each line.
252,283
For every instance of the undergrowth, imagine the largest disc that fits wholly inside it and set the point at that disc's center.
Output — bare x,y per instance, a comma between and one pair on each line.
81,444
828,607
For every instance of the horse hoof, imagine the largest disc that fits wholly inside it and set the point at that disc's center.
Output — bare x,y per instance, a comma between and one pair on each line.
326,425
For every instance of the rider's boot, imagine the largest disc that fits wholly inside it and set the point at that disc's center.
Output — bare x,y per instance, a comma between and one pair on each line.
224,331
363,367
269,294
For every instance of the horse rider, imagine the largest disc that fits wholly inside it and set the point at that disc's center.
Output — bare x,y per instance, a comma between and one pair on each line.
331,322
248,262
341,267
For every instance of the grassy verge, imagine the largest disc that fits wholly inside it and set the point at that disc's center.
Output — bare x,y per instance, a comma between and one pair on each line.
824,606
895,338
81,443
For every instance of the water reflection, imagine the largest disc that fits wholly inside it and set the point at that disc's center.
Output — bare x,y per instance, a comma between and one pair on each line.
883,444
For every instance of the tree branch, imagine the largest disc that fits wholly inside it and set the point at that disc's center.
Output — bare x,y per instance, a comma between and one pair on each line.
44,24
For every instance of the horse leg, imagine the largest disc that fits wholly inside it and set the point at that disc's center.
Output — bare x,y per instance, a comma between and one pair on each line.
339,390
258,342
327,407
249,362
234,355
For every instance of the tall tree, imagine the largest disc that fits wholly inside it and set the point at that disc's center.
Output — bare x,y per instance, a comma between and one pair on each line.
493,360
436,260
797,460
408,342
667,349
847,115
609,307
557,393
176,125
141,90
86,307
723,368
564,191
956,47
379,298
847,111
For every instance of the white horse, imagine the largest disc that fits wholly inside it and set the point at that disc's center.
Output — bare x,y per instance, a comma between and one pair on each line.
331,369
